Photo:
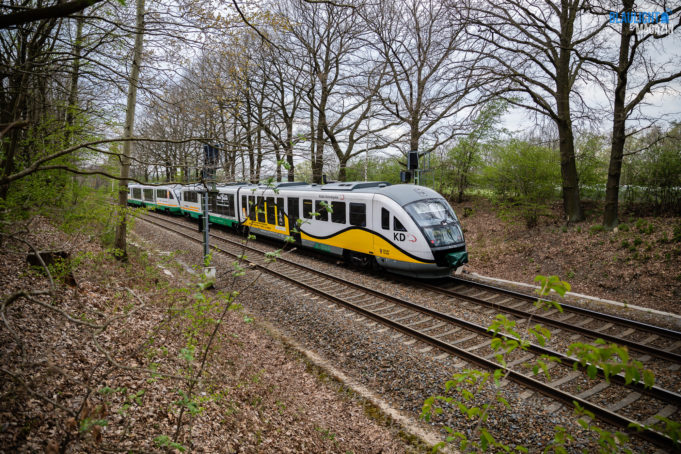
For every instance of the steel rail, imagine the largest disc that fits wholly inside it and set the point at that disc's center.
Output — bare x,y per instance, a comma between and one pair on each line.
580,310
602,413
641,348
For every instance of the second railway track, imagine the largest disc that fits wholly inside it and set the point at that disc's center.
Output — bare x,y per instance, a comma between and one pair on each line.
430,328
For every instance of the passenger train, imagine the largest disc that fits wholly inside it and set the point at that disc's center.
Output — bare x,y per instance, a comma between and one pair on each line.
406,229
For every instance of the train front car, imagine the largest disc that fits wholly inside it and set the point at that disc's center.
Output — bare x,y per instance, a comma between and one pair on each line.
423,227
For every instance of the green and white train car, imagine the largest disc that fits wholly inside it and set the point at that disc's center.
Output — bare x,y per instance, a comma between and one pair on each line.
160,198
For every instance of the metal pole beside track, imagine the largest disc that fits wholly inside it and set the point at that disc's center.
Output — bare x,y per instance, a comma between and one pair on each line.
206,236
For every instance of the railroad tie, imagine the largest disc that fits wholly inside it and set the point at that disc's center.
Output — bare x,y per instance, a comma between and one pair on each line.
666,412
628,400
486,343
650,338
520,360
603,328
675,346
569,377
464,339
451,331
430,328
594,390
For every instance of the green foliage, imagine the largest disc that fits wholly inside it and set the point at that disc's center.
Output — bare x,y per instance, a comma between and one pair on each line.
592,155
596,228
378,169
88,424
677,233
164,441
525,177
608,442
612,359
651,173
464,161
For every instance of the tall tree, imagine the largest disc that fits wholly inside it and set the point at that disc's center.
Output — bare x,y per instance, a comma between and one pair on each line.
538,51
120,240
432,76
638,53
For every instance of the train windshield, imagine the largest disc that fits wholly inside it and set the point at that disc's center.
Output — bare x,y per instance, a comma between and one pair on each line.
438,221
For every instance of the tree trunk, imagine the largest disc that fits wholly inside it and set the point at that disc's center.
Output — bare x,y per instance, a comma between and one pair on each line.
289,151
568,166
610,213
120,241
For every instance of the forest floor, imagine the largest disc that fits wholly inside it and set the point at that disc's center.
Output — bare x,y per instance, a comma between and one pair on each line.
638,264
116,376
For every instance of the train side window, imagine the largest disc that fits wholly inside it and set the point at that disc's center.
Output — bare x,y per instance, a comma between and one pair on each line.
280,212
244,206
149,195
271,211
397,226
191,196
137,193
231,208
161,193
385,219
323,214
358,214
251,207
260,207
338,215
307,209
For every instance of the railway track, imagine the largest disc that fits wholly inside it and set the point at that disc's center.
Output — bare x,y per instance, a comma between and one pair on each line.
425,328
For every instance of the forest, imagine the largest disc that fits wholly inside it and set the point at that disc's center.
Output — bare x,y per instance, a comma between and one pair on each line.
559,115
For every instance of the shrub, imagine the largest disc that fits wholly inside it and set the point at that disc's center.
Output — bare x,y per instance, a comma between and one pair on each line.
525,176
596,228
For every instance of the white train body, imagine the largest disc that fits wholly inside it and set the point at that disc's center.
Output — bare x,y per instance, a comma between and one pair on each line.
406,229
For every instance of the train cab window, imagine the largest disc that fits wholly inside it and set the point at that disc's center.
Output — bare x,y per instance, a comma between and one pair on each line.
149,195
338,214
385,219
260,208
307,209
251,207
271,211
322,215
397,226
280,212
358,214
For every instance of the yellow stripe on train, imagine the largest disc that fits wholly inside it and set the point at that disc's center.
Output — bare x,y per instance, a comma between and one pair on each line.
365,242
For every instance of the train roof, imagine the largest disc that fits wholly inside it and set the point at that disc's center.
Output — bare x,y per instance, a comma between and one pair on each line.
400,193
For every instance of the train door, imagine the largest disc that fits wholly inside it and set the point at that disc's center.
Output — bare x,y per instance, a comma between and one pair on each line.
293,213
383,219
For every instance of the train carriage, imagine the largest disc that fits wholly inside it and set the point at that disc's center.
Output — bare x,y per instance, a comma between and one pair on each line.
168,198
162,198
407,229
190,200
